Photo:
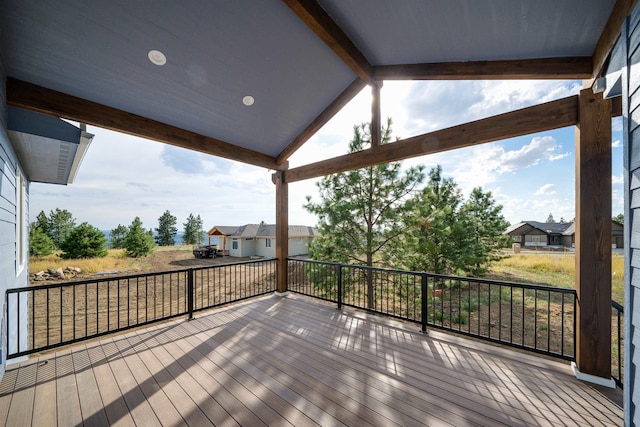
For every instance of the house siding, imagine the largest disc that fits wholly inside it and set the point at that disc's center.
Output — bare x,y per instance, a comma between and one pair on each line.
13,272
631,114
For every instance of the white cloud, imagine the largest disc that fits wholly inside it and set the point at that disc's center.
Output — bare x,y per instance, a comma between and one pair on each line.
616,144
617,180
545,190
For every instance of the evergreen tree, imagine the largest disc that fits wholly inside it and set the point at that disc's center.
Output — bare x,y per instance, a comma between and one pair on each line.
483,224
60,224
118,236
359,211
167,230
84,241
42,223
619,218
550,218
193,232
435,238
138,242
40,244
451,235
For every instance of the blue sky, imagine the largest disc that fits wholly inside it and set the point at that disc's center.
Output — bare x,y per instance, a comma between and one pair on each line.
122,177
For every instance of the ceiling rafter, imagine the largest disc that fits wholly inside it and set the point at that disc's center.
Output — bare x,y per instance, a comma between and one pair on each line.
46,101
315,17
540,68
332,109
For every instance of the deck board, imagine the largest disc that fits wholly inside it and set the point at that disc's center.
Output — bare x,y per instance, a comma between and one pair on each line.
299,362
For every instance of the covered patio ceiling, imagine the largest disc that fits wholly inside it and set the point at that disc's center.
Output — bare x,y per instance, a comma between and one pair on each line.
300,60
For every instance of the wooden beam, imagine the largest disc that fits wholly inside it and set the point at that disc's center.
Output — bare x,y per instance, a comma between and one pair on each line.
593,235
539,118
314,16
610,34
542,68
46,101
343,99
282,230
375,114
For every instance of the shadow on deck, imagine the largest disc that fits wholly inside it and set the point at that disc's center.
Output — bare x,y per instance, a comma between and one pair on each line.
296,361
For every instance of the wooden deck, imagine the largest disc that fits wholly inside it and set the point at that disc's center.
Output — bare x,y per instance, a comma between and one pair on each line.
295,361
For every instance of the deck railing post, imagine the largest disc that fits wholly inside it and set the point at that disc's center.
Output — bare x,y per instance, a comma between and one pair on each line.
423,301
190,290
339,287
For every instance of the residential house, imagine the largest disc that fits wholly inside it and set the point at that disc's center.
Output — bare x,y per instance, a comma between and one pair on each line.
556,234
535,234
259,239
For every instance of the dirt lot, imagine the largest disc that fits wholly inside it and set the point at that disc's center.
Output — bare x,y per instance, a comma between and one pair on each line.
166,260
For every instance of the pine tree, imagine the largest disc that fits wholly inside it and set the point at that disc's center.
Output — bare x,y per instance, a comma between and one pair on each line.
118,236
359,211
550,219
84,241
167,230
40,244
193,232
60,224
138,242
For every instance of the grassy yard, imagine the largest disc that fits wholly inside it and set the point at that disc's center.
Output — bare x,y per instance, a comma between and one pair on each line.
553,269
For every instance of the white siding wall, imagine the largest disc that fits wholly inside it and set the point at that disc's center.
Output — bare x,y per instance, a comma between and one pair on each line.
13,255
263,250
299,246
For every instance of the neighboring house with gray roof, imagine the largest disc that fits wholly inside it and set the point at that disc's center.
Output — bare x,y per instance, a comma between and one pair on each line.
260,239
555,234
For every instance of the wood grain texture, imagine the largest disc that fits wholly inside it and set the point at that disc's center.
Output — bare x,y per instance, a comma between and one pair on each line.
593,235
547,116
610,34
327,114
282,229
540,68
297,361
314,16
46,101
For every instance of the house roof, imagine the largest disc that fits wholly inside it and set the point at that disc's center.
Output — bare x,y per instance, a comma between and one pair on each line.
300,60
547,227
262,230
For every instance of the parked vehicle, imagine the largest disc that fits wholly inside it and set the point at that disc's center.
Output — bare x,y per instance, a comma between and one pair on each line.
207,251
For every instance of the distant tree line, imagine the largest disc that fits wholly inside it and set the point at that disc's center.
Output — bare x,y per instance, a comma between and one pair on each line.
58,231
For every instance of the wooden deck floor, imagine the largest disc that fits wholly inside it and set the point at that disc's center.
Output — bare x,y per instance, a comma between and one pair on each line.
294,361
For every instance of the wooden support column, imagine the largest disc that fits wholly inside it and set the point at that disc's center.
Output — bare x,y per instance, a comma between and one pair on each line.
593,235
375,114
282,229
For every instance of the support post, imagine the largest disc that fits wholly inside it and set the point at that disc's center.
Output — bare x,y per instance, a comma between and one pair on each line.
375,114
593,236
282,229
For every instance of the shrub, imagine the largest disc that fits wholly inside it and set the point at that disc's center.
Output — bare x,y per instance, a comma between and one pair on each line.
40,244
84,241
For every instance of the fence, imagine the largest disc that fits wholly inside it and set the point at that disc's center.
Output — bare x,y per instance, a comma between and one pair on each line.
531,317
60,314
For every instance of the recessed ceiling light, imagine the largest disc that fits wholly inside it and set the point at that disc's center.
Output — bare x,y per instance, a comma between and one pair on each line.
157,57
248,100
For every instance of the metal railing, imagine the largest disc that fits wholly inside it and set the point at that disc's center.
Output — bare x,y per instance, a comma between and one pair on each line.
617,342
531,317
61,314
